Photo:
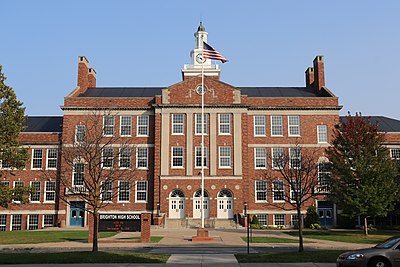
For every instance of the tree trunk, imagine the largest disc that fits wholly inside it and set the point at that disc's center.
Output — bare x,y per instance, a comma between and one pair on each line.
95,247
365,226
300,224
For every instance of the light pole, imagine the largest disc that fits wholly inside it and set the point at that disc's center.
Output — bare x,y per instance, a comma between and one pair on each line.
247,226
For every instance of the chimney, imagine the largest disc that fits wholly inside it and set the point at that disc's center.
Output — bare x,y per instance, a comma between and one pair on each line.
319,73
310,77
91,78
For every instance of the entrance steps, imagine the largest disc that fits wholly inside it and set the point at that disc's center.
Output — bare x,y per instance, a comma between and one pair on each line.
211,223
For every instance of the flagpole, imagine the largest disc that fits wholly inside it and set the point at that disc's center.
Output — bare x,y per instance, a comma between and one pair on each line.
202,140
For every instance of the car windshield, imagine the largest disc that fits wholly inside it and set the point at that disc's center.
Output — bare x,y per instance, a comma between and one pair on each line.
388,243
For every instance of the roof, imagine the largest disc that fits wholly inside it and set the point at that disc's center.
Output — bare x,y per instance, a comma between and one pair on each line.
38,124
278,91
385,124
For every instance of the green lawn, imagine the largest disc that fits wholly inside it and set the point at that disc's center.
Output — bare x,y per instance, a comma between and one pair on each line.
374,237
153,239
266,239
34,237
305,256
81,257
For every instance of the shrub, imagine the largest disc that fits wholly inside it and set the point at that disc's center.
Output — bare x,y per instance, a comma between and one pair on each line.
315,226
311,217
255,220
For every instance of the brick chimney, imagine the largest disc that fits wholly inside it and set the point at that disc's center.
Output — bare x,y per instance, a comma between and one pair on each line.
86,75
319,73
310,77
91,78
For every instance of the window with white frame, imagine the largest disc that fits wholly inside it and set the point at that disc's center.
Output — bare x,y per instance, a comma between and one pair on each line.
199,122
322,132
259,125
141,191
16,222
80,133
125,154
261,191
294,125
198,157
295,191
278,191
262,219
4,165
142,125
260,157
107,155
279,219
106,191
177,157
37,158
294,220
324,176
5,183
395,153
49,220
3,222
35,194
108,125
277,157
17,198
126,125
276,125
224,156
224,123
33,222
295,157
142,157
50,191
177,123
78,174
124,194
52,156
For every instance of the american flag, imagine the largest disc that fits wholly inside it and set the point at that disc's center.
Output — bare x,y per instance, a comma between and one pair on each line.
211,53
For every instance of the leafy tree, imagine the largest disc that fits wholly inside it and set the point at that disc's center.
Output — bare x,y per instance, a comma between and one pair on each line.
312,217
363,175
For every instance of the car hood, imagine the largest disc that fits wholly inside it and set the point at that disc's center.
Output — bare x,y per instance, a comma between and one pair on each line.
365,251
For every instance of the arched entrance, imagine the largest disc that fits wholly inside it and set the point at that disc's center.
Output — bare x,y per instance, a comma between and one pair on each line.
177,204
197,205
225,204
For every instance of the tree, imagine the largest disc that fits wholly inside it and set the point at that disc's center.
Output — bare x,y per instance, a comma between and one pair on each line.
363,175
311,217
296,171
97,161
11,154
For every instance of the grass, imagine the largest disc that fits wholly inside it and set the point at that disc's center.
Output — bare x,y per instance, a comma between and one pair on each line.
374,237
81,257
153,239
305,256
266,239
35,237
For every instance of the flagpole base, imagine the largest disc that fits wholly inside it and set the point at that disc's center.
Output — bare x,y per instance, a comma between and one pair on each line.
202,235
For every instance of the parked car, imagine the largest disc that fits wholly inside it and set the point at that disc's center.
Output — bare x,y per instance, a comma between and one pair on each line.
385,254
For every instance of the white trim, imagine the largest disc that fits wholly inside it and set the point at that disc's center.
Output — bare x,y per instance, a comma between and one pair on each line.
172,157
297,125
265,126
220,158
40,191
119,191
281,125
224,123
180,123
318,134
33,154
47,158
255,158
113,125
255,192
120,125
147,125
147,158
147,191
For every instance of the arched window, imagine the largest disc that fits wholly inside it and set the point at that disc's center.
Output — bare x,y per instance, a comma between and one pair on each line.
198,193
225,193
177,193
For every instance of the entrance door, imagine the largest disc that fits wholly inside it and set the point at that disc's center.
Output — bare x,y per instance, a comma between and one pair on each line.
77,214
177,205
197,205
325,212
225,205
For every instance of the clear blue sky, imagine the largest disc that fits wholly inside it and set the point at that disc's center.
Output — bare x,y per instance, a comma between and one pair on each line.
146,43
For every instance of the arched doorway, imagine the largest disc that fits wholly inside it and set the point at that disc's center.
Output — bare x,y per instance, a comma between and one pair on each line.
177,204
197,205
225,204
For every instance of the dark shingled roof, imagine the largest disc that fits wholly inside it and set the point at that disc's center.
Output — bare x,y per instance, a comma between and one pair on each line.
385,124
278,91
39,124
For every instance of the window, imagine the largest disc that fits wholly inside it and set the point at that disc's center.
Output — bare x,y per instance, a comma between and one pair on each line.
52,155
143,125
294,220
37,158
124,191
198,157
295,157
125,157
177,123
260,157
276,126
259,125
78,174
50,191
17,184
16,222
295,191
262,219
395,153
177,157
322,132
277,157
3,222
142,156
106,191
199,122
80,133
224,157
35,195
141,191
278,191
33,222
294,125
279,219
126,126
5,183
107,160
108,125
261,191
324,176
225,123
4,165
49,220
